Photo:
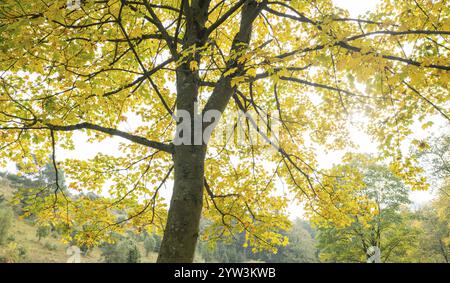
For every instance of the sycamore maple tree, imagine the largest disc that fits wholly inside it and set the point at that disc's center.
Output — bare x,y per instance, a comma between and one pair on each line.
306,64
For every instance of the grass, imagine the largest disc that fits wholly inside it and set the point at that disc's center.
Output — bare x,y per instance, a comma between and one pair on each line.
38,251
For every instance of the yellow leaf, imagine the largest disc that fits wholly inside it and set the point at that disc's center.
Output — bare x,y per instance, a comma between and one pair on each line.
236,81
193,66
229,72
251,72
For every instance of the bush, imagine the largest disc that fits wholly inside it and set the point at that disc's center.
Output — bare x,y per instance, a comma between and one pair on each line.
13,253
50,246
149,244
6,220
22,251
157,242
42,232
124,251
134,256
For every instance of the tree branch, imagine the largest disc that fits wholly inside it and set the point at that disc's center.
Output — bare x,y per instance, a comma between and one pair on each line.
114,132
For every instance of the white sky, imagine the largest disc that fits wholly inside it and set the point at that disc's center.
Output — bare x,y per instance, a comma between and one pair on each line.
356,8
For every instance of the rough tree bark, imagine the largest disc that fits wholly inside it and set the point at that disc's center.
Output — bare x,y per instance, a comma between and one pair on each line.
181,232
182,228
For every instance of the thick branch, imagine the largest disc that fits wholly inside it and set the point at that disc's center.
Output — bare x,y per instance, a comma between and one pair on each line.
223,90
114,132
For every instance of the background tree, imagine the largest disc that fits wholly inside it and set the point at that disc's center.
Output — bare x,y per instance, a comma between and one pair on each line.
42,232
123,250
229,250
35,185
6,220
434,155
434,237
300,249
91,68
387,227
134,256
433,218
44,177
149,244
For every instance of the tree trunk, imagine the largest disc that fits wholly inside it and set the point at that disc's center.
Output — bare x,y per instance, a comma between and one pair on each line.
182,228
181,232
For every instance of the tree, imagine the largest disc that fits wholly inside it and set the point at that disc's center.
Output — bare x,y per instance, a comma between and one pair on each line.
438,240
42,232
6,220
232,251
433,155
434,239
124,250
376,218
39,184
149,244
171,65
433,218
300,249
134,256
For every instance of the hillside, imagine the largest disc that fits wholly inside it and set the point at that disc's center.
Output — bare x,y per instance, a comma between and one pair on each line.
22,235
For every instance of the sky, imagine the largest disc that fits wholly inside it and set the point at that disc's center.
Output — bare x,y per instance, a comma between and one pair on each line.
356,7
110,146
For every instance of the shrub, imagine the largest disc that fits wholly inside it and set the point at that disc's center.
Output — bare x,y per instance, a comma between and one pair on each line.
13,253
42,232
22,251
134,256
149,244
124,251
50,246
6,220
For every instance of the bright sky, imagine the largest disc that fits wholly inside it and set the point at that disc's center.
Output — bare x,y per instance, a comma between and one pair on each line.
110,146
356,7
